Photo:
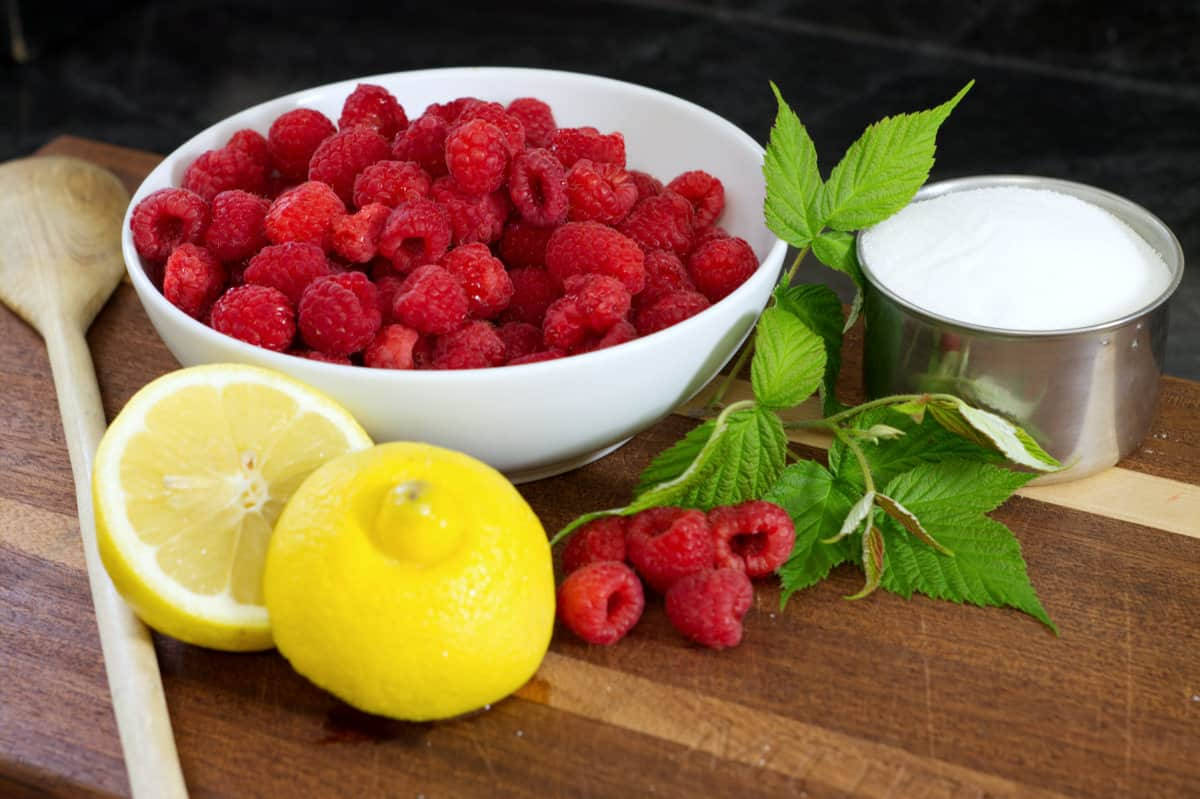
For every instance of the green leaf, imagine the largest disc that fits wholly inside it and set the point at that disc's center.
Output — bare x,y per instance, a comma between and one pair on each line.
671,462
817,503
909,521
872,561
793,180
858,513
993,431
821,310
789,359
882,171
836,249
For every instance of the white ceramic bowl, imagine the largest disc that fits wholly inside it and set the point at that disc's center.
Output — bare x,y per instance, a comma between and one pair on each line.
538,419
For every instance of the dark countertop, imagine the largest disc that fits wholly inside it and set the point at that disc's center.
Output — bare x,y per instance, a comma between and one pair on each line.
1095,92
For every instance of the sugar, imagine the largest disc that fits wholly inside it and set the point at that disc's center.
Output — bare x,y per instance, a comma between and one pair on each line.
1015,258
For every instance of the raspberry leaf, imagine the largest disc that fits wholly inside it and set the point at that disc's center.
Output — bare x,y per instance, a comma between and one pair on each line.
882,171
908,520
671,462
793,180
821,310
789,359
872,561
836,249
859,512
992,431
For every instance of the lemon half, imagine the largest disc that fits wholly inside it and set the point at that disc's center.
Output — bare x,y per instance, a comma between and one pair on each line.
187,484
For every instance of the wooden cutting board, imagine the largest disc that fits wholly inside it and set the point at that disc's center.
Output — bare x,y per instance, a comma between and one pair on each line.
880,698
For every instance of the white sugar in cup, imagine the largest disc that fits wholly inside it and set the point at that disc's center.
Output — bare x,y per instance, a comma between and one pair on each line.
1042,300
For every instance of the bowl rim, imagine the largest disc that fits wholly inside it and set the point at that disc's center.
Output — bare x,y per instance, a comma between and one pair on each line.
147,292
1101,198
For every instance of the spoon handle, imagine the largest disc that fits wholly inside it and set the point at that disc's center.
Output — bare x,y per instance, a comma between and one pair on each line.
133,679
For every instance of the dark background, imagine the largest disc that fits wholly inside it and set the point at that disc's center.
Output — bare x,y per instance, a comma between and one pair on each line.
1107,94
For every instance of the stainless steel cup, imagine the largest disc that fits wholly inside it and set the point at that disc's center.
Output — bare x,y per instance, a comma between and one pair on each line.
1086,394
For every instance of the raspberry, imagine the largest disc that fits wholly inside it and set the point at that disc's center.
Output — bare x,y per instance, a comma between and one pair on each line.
165,219
520,339
475,345
599,539
601,192
306,213
193,279
601,602
374,107
666,544
431,300
647,184
571,144
663,222
523,245
482,277
477,156
538,188
253,144
424,142
603,300
339,314
619,333
258,315
537,119
706,234
565,325
339,159
220,170
355,237
386,288
704,192
720,266
236,231
664,274
391,183
277,185
708,606
392,348
668,310
755,537
294,137
533,291
582,247
415,233
289,267
449,112
472,217
423,352
537,357
317,355
509,125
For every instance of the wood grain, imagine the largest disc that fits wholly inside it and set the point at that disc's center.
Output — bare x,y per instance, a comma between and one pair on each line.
888,697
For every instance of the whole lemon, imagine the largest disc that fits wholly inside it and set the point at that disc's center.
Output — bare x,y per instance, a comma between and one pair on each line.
411,581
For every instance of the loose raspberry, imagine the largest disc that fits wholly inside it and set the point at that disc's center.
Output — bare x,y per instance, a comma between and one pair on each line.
477,156
720,266
601,192
391,183
339,314
192,279
258,315
431,300
538,357
670,309
373,107
392,348
601,602
665,274
523,245
476,345
386,289
707,607
533,291
537,119
221,170
704,192
339,159
647,184
317,355
537,186
165,219
306,213
482,276
583,247
424,142
509,125
520,339
599,539
355,237
472,217
667,544
294,137
663,222
619,333
755,537
571,144
415,233
289,267
237,229
602,300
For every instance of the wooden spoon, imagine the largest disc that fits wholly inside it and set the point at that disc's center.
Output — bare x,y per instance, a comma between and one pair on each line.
60,259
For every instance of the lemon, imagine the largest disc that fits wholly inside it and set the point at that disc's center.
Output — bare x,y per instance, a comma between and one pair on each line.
410,581
187,484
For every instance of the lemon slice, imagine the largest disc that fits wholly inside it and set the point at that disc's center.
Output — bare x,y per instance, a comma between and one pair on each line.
187,485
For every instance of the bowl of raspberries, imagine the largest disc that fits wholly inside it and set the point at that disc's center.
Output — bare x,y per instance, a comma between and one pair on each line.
526,265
